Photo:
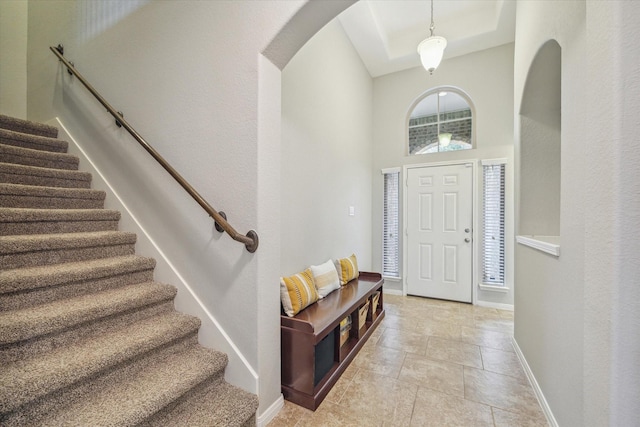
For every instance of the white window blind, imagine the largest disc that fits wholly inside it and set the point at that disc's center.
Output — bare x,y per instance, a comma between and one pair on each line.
493,253
391,224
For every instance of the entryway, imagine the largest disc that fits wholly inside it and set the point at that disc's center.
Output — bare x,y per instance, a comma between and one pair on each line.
439,248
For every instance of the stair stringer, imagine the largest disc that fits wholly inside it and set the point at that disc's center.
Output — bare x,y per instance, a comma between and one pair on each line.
239,371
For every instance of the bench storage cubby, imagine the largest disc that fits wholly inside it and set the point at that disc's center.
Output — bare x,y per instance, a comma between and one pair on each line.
312,355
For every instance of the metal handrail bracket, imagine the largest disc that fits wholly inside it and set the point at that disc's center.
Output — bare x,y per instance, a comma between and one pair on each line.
250,240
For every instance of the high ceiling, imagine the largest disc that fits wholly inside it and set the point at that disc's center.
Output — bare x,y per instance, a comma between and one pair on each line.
386,33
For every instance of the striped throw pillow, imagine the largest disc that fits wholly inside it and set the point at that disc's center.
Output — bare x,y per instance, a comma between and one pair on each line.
347,269
297,292
326,278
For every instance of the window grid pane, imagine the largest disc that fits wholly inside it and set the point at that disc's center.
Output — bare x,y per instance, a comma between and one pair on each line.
390,226
493,257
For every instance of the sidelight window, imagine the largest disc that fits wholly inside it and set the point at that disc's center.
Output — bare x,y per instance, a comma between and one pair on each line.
391,224
493,221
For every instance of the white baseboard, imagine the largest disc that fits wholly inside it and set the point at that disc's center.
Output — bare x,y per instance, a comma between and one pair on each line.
271,412
534,384
499,306
392,291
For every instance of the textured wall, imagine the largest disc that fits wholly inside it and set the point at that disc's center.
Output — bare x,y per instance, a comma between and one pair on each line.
326,153
13,65
577,316
549,297
612,213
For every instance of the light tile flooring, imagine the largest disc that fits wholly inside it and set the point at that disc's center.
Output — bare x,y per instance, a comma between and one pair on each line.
430,363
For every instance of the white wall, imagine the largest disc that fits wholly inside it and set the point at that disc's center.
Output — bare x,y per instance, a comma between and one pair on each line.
548,304
327,98
487,77
13,58
577,316
612,211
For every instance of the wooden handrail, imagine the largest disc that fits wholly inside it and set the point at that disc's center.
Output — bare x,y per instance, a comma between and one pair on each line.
250,240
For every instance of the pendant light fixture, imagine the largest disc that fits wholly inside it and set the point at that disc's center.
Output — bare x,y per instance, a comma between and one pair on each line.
431,49
444,139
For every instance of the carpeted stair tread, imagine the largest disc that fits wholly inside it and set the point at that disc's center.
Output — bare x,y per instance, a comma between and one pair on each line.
45,221
22,279
145,392
51,215
35,142
45,159
43,177
21,325
40,249
42,242
34,377
221,405
40,191
27,126
35,197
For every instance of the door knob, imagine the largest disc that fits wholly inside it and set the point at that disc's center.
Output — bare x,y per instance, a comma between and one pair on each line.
466,230
467,240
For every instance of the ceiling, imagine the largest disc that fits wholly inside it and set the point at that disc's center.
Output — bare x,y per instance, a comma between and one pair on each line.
386,33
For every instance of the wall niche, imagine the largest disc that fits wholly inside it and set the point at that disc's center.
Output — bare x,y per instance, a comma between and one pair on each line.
540,153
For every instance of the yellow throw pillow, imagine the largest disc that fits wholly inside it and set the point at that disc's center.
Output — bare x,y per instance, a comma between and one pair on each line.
347,269
297,292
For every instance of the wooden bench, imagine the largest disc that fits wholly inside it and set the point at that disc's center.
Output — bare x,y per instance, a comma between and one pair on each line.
312,356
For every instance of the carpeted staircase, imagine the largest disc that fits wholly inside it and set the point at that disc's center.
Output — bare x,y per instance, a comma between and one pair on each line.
87,338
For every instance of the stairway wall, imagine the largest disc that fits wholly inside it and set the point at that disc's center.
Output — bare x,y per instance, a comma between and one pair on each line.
211,334
13,51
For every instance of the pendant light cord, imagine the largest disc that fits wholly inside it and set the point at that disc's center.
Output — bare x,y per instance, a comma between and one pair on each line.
433,26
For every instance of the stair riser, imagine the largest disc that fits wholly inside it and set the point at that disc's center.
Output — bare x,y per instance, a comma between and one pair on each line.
207,397
44,257
44,181
194,367
64,163
34,202
163,418
37,412
55,227
87,310
36,143
41,345
19,125
20,300
100,359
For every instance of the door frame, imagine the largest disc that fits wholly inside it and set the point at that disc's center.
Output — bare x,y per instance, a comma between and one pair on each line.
474,220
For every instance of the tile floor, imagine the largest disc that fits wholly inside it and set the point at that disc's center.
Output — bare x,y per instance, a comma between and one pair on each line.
430,363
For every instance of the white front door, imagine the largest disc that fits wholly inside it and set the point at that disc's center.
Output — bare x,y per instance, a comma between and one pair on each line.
439,231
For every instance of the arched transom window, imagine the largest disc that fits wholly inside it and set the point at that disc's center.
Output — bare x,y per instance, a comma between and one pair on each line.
441,121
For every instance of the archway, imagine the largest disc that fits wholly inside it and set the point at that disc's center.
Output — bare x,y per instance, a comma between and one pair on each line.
309,19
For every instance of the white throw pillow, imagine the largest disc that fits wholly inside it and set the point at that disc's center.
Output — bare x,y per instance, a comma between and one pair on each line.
325,277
